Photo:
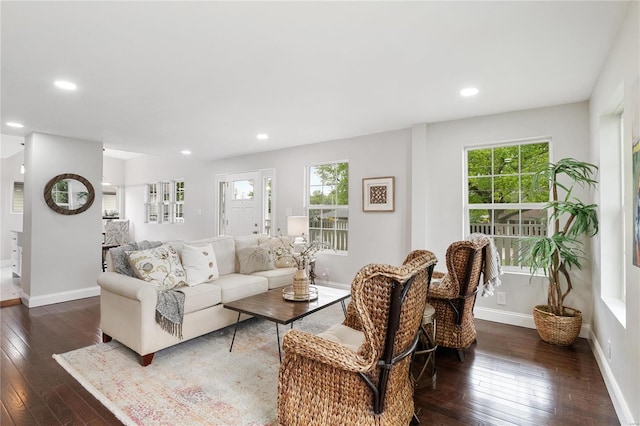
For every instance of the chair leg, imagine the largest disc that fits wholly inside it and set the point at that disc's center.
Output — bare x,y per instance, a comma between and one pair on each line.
460,355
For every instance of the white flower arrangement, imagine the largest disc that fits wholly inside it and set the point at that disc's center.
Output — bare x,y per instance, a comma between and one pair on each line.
302,254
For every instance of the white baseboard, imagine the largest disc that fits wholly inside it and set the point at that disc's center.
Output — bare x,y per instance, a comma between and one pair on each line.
617,398
523,320
335,284
516,318
65,296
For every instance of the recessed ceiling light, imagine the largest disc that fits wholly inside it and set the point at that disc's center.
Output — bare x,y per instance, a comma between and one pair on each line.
186,152
469,91
14,124
66,85
262,136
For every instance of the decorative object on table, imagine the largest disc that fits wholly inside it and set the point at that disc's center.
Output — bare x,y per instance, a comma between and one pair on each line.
378,194
556,254
289,294
302,254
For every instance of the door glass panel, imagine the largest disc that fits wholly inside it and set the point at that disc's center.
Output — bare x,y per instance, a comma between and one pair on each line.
243,189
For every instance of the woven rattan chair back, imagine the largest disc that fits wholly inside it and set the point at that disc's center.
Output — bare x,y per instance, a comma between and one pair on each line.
373,385
454,315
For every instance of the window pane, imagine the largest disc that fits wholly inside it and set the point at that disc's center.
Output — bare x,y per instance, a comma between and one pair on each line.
507,222
479,162
480,221
329,186
505,160
534,194
534,222
506,189
243,189
535,157
480,190
179,191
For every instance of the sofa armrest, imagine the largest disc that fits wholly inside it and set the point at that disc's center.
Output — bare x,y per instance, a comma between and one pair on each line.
129,287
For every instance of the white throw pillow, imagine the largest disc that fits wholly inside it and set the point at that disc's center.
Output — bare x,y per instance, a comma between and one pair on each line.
200,264
160,266
254,259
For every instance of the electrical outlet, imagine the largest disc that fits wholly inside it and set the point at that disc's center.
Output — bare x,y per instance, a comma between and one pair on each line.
609,349
502,298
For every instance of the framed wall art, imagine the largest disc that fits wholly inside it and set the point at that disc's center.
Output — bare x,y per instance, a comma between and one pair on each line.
378,194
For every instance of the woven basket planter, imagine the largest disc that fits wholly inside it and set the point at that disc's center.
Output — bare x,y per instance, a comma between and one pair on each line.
557,330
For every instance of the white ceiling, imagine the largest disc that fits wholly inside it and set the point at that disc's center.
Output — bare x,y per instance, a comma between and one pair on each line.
159,77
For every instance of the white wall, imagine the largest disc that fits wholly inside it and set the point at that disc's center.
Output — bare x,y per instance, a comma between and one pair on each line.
373,237
622,371
199,184
567,125
61,255
10,172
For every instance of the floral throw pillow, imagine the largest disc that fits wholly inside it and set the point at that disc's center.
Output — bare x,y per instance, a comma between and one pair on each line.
199,262
160,266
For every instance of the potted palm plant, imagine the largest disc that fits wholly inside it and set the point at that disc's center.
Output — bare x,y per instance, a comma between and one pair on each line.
556,254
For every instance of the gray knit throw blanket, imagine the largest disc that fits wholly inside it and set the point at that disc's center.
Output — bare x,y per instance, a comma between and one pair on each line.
170,311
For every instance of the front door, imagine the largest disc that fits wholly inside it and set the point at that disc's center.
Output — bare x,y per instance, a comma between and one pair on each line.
243,201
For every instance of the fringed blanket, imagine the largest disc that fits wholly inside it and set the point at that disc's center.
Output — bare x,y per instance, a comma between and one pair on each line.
170,311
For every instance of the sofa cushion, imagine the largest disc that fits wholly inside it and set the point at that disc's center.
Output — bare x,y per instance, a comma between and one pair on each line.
278,277
253,259
199,262
160,266
238,286
201,297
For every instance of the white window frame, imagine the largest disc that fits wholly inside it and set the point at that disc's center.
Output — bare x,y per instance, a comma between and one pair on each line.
337,234
163,198
514,252
178,202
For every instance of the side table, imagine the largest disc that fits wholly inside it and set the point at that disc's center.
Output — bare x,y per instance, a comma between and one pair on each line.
424,358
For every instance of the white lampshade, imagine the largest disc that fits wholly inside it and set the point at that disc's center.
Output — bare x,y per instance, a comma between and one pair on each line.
297,225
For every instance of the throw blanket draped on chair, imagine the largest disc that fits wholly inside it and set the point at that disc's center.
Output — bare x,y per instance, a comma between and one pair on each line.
492,265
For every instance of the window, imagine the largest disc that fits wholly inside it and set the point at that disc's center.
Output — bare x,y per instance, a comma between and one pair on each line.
110,205
328,201
17,197
178,194
152,203
165,202
501,199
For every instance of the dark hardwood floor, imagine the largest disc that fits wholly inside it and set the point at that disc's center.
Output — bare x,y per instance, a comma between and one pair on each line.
509,376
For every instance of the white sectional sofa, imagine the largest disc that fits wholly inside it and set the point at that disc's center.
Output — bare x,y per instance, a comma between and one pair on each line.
128,304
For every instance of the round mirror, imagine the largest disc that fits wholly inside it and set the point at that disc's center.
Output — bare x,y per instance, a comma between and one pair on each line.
69,194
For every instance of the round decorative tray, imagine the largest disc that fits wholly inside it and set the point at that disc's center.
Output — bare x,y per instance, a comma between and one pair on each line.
288,294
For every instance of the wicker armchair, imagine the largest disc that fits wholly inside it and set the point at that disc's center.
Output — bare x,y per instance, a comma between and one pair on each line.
453,294
323,382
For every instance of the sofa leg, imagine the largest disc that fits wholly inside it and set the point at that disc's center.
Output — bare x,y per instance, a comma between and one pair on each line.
105,337
146,359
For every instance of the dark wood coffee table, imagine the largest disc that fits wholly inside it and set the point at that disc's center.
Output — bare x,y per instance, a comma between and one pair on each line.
273,307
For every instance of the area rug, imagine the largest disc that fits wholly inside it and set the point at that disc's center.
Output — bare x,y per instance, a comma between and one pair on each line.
197,382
